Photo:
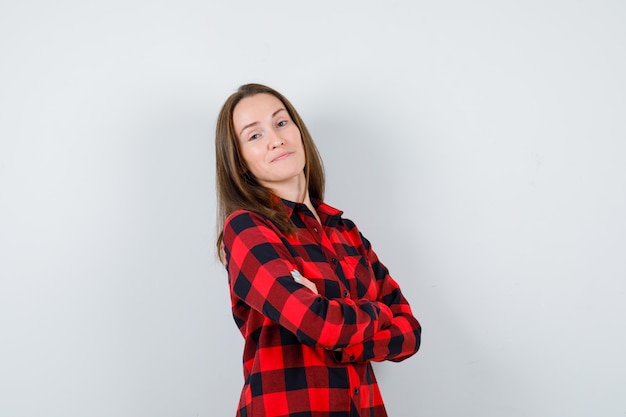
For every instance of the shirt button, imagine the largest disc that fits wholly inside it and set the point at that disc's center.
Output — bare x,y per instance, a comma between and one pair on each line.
356,391
334,261
346,294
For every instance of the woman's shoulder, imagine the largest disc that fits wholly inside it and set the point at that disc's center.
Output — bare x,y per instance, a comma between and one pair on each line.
332,213
242,214
242,219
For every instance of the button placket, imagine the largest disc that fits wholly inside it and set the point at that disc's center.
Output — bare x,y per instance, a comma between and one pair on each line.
331,256
313,228
354,381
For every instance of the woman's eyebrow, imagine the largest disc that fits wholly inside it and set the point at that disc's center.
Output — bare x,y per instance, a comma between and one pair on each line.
254,123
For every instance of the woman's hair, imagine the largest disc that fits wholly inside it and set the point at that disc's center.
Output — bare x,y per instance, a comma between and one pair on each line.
236,186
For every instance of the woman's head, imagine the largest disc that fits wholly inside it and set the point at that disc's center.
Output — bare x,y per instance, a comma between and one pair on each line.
270,145
237,185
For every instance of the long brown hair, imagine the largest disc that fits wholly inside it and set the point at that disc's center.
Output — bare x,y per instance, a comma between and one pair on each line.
236,186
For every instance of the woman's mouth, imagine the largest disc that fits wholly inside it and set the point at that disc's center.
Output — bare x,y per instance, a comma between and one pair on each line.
281,157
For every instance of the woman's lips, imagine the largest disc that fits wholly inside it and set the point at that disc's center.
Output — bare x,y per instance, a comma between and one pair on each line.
281,156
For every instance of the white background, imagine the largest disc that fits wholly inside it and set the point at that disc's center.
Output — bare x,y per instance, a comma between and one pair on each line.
481,147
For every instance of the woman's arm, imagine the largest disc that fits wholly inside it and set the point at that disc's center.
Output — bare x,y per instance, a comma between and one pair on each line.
259,269
402,338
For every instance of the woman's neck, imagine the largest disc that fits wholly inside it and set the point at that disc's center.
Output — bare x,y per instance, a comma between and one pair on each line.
297,192
293,190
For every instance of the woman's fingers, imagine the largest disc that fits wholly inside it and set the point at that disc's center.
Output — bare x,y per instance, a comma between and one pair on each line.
302,280
309,285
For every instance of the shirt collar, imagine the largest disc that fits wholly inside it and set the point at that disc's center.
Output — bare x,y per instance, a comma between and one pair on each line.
328,214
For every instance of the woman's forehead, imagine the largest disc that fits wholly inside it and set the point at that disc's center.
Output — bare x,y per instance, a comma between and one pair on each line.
256,109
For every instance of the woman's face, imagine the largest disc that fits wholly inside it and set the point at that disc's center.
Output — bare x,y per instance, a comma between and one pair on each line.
269,141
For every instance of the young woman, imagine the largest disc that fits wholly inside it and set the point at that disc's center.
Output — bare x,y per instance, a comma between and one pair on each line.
309,295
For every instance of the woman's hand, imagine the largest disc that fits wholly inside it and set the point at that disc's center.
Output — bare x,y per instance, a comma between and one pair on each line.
302,280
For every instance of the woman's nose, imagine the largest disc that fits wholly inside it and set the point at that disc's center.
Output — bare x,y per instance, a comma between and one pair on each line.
276,141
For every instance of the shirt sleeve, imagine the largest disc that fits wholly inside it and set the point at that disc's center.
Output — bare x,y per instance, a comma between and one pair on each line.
259,267
396,342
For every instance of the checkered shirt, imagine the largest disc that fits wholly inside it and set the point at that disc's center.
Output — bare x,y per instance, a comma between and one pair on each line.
309,355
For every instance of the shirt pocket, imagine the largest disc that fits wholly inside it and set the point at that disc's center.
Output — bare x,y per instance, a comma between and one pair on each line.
360,277
323,275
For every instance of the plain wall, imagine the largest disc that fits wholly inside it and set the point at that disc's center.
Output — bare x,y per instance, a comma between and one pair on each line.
480,146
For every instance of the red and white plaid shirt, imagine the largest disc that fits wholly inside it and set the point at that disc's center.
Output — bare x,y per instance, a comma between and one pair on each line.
309,355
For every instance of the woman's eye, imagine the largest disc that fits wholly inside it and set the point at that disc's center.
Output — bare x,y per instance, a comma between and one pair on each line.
282,123
255,136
